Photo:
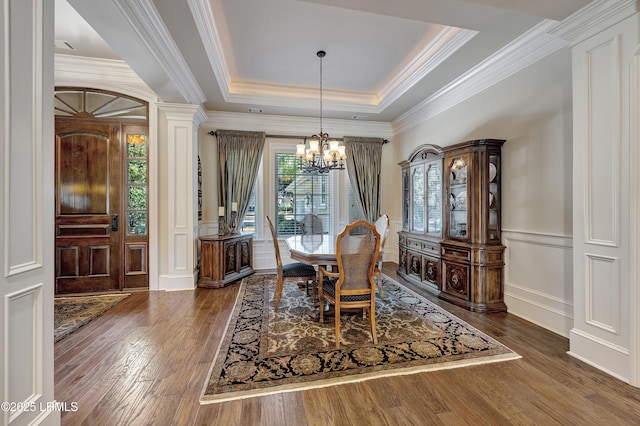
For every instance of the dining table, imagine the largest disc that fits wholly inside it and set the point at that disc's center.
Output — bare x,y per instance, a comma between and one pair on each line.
313,249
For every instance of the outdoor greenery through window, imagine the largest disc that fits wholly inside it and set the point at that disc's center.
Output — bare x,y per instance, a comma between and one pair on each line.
298,194
137,184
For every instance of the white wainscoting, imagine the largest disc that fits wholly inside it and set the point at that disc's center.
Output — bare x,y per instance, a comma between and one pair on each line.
539,279
391,246
23,348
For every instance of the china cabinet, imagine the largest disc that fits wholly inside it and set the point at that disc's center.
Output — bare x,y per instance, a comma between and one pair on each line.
422,213
471,253
450,240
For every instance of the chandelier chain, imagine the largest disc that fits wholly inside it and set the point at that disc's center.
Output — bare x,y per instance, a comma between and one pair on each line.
322,155
321,131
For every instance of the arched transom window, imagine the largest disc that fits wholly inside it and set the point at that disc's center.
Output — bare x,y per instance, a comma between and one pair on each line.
91,103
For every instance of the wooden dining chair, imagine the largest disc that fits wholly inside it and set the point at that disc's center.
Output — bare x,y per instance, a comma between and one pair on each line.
353,286
382,226
291,272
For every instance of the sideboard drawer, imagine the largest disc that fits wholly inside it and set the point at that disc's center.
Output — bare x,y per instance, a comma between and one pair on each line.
414,244
431,249
455,253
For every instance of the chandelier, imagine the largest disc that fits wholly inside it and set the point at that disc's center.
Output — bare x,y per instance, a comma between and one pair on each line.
322,155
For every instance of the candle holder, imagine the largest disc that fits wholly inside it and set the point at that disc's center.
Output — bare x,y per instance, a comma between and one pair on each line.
234,222
221,225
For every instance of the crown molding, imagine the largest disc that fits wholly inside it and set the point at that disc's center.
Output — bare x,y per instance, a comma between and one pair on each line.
593,18
290,125
144,18
194,113
206,26
527,49
81,68
444,45
304,98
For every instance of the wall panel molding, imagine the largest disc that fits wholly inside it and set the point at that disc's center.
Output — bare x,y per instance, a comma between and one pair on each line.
549,305
603,168
23,227
23,347
602,302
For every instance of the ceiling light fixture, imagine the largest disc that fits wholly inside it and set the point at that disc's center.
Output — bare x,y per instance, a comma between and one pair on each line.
322,155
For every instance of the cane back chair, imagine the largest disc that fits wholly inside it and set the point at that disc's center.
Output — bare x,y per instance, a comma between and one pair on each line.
353,285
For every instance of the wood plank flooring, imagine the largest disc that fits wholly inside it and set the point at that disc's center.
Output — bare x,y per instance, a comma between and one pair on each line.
145,361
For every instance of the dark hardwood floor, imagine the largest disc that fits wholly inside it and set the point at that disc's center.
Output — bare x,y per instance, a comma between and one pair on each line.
145,361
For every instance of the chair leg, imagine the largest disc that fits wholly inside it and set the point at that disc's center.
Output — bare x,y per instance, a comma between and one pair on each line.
314,293
372,319
278,292
379,281
337,321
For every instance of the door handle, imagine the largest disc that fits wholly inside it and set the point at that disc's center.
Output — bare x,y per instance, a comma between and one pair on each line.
114,222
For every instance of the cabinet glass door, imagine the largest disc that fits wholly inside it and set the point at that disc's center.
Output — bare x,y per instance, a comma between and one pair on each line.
458,204
406,196
417,201
434,198
494,194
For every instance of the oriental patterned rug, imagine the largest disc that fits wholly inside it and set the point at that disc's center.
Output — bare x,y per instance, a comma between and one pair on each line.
265,352
71,313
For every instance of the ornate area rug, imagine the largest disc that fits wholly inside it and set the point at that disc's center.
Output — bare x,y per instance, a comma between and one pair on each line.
266,352
71,313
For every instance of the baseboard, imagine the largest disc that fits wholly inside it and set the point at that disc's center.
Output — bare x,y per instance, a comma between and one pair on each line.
600,354
177,282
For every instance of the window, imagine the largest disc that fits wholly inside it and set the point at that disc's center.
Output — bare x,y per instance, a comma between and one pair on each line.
137,187
249,222
298,194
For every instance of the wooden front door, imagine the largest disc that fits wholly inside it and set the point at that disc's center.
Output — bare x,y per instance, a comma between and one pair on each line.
87,217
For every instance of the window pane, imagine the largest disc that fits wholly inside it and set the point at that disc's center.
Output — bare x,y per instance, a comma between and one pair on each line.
137,171
137,166
137,146
137,223
249,222
298,194
137,197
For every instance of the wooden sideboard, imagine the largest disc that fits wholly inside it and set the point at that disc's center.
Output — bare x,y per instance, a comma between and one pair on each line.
224,259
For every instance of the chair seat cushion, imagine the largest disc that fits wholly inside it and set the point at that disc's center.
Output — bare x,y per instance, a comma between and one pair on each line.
329,288
298,269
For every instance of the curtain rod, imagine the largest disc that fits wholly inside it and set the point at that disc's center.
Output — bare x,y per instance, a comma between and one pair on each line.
214,133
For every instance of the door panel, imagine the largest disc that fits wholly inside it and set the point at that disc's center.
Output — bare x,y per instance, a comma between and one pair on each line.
87,196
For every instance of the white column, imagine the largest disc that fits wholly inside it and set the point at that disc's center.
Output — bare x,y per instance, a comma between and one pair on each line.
605,280
178,151
26,211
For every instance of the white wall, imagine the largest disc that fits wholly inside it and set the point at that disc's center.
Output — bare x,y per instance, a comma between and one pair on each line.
532,110
26,212
605,193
